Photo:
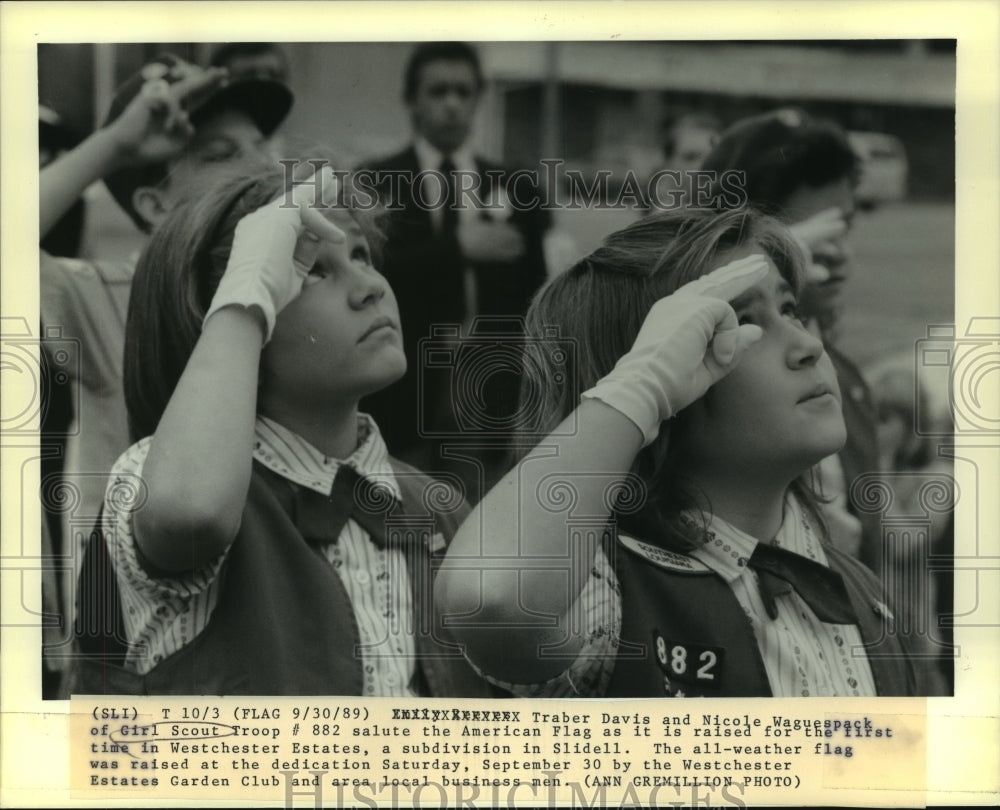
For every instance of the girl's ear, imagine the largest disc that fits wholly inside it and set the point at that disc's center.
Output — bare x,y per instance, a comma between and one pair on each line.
150,204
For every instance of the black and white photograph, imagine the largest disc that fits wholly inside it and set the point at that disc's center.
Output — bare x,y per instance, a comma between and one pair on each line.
475,370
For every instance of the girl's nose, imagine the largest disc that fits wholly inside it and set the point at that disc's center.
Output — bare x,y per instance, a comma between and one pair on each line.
456,98
804,348
366,289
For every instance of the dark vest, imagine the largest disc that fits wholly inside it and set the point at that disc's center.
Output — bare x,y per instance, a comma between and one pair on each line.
283,624
684,633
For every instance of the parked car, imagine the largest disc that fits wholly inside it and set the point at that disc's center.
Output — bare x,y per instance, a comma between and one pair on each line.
883,168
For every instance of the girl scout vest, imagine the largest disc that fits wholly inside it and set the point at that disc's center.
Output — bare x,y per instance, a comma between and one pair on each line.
684,633
283,624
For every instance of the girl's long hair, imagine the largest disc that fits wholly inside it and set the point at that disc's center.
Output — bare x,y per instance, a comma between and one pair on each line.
177,275
581,322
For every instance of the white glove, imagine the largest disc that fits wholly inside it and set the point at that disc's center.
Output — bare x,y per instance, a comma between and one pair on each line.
812,233
689,341
275,247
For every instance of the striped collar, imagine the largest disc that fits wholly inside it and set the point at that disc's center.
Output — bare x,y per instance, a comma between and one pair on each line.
292,457
727,549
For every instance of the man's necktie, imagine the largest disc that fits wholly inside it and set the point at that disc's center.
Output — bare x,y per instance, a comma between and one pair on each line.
779,571
449,214
321,518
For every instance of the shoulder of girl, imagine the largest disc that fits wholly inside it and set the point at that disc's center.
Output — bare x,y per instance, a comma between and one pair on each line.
663,558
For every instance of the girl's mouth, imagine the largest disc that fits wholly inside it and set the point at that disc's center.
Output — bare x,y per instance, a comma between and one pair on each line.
817,392
377,325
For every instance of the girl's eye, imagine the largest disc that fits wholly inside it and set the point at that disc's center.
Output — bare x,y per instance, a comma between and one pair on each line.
790,309
318,273
361,254
218,155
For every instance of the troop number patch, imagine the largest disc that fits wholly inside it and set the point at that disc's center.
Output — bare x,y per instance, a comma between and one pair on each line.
688,663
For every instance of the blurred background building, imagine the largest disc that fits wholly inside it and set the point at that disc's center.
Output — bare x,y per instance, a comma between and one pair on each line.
605,106
591,103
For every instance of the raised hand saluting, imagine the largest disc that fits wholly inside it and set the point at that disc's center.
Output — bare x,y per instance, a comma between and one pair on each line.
155,125
275,247
689,341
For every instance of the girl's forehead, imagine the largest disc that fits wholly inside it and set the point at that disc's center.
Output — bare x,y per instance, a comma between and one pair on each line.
772,286
355,237
752,248
343,217
350,227
741,252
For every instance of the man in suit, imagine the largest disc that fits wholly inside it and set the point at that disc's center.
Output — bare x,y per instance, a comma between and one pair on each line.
464,241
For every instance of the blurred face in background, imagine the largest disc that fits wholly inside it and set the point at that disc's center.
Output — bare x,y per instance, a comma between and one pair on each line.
444,104
270,64
692,144
689,144
822,300
222,142
225,143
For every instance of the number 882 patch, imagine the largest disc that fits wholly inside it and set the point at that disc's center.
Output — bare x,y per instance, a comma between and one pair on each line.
694,664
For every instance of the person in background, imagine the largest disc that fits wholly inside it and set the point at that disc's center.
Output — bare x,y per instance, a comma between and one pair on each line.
803,171
902,401
257,60
170,128
689,139
63,239
452,260
55,138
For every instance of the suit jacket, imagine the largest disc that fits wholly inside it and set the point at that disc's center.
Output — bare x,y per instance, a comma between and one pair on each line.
426,271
